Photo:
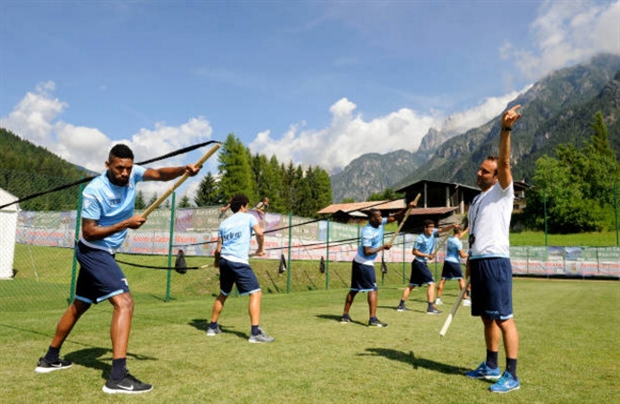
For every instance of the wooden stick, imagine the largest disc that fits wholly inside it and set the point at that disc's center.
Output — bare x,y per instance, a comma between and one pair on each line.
180,181
400,226
453,310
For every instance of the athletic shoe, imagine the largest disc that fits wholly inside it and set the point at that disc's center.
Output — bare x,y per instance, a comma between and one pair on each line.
438,302
212,332
43,366
433,310
484,372
260,338
345,319
129,385
376,323
466,302
505,384
402,308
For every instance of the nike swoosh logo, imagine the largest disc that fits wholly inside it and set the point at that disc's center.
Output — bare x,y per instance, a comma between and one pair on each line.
130,388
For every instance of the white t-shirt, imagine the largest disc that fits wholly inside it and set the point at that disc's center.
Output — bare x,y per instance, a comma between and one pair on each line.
489,221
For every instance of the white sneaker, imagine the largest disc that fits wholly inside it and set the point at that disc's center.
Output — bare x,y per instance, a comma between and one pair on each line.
466,302
438,302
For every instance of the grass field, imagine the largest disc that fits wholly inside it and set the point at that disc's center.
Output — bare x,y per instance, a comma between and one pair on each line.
569,351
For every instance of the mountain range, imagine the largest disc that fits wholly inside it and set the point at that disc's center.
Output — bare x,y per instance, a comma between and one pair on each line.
557,109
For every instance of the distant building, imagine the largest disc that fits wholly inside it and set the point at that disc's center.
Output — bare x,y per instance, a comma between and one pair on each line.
442,202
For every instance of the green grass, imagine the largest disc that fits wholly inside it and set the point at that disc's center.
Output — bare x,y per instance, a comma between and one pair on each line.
530,238
569,332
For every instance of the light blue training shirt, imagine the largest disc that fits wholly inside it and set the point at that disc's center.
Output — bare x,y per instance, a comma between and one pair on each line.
236,234
371,237
425,244
454,245
109,204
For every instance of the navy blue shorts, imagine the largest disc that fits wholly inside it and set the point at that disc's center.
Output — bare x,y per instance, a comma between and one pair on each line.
363,277
451,271
100,277
232,272
420,274
491,288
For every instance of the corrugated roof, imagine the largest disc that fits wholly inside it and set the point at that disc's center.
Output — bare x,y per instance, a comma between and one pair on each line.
432,211
359,206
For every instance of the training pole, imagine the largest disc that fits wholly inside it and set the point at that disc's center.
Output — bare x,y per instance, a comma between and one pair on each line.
180,181
400,226
453,310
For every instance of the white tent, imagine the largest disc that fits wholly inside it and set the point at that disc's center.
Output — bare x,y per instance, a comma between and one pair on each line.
8,227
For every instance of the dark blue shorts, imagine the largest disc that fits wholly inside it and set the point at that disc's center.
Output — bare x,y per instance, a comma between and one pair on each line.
491,288
420,274
100,277
451,271
232,272
363,277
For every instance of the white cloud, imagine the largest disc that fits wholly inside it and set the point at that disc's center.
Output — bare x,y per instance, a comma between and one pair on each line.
491,107
36,119
565,33
32,117
349,135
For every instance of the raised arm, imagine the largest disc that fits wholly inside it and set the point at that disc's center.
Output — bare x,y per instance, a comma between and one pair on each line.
169,173
503,164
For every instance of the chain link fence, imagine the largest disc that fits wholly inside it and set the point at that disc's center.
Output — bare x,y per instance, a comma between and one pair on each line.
37,262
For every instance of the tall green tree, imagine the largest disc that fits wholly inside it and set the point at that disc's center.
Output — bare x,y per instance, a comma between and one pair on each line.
184,202
289,186
235,169
320,187
273,185
575,186
208,193
304,202
140,204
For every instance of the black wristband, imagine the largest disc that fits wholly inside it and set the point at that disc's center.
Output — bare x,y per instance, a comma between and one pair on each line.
506,129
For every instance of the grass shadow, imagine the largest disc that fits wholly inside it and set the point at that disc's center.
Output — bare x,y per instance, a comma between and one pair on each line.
337,318
203,325
91,358
416,363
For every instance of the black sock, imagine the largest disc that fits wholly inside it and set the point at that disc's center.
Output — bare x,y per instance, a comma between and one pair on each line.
52,355
402,303
491,359
119,368
255,330
430,305
511,367
213,325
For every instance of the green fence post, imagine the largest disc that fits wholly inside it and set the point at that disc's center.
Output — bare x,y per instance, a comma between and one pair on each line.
616,210
327,258
170,239
290,243
545,209
78,220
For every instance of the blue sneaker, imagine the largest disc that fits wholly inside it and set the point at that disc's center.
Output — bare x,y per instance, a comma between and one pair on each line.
484,372
505,384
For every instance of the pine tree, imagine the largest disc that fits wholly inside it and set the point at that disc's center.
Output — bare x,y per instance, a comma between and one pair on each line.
184,202
208,192
140,204
235,169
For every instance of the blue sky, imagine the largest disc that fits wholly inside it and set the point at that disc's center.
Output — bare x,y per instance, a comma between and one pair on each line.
315,82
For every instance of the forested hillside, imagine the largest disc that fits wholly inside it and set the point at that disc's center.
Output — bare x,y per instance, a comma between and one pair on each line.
26,169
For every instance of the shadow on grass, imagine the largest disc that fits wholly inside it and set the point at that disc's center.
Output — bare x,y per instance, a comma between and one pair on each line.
337,318
91,358
416,363
203,325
